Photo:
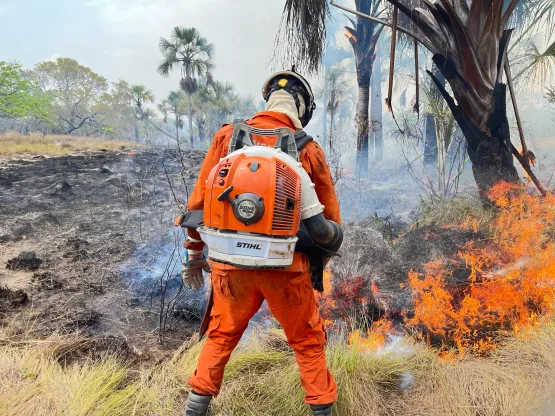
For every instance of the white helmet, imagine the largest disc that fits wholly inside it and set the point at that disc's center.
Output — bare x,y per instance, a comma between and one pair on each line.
295,84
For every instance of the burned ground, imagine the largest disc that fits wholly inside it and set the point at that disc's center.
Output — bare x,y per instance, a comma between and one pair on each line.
370,277
68,225
87,245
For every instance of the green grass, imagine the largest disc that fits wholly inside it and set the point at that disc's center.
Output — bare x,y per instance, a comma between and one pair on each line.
16,144
262,379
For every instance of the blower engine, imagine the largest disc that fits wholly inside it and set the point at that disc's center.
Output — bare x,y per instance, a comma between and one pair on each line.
259,201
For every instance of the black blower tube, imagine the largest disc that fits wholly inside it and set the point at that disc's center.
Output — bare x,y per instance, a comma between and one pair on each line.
327,234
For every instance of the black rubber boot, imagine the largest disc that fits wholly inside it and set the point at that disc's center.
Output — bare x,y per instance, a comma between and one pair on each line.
197,405
321,409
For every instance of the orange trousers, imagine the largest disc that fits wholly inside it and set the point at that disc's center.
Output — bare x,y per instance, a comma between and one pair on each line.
238,295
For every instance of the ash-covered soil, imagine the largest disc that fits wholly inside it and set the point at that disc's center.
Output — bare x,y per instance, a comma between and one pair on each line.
68,229
376,260
87,245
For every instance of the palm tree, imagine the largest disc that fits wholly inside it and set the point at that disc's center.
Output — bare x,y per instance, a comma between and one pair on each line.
216,103
223,101
140,96
363,36
202,104
194,54
334,54
164,107
175,103
431,138
336,91
469,41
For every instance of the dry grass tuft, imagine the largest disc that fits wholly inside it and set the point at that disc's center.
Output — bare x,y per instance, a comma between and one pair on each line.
262,380
447,212
13,143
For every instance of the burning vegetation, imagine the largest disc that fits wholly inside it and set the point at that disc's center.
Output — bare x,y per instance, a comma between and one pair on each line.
500,282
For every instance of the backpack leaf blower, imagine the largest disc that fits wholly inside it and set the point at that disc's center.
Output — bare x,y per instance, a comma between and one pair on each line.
260,206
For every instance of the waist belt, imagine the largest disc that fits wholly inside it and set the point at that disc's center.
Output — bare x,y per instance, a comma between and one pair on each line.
317,257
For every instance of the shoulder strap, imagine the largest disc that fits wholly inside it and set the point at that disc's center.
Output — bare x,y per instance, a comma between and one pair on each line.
285,144
286,139
302,139
241,136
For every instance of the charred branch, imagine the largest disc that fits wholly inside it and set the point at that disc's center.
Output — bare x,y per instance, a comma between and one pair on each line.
382,22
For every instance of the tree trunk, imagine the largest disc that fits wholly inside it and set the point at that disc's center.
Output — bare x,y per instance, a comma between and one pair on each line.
176,127
136,133
332,117
376,109
201,134
362,125
431,138
325,108
489,151
490,154
190,121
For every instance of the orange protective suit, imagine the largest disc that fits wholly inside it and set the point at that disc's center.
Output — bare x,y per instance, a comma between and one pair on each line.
239,293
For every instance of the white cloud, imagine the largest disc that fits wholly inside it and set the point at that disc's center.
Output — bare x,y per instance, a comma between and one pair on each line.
53,57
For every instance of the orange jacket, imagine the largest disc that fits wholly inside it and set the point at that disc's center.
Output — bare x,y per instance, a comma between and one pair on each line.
311,156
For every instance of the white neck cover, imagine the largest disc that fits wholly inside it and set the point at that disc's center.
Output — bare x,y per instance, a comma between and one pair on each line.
283,102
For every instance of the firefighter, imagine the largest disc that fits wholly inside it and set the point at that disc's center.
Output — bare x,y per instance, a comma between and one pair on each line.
239,293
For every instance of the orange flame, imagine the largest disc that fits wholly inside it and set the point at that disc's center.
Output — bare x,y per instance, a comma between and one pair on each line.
351,36
375,288
374,339
511,283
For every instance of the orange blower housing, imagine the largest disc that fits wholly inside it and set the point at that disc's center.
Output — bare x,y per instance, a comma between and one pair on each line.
253,194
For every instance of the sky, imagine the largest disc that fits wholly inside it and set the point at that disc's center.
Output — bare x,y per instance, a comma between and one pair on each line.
118,39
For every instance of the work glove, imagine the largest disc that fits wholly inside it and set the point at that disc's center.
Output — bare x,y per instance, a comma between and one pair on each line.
191,269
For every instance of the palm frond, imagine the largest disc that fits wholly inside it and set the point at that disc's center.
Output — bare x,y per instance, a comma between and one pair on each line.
538,14
353,23
165,67
165,45
532,17
203,46
209,79
301,39
200,67
185,35
141,95
174,97
539,68
550,95
467,45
